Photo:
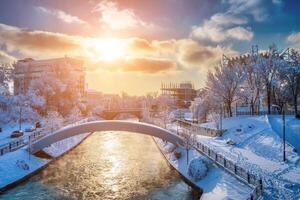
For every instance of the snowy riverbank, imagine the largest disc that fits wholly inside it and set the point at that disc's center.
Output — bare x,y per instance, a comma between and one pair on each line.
17,166
217,184
258,148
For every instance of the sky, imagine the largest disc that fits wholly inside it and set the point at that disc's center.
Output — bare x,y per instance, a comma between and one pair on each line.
134,45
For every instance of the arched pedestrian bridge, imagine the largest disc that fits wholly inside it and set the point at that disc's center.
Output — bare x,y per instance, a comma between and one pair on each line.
112,113
110,125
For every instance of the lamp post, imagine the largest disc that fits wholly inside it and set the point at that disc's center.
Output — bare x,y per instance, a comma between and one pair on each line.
283,131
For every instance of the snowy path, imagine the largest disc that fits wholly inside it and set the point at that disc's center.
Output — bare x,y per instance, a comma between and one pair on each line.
218,184
259,149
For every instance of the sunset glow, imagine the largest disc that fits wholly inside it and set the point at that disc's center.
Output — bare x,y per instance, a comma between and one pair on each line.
143,40
108,49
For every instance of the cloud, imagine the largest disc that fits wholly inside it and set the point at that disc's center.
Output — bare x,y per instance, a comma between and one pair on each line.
194,55
144,65
255,8
116,18
148,65
137,54
140,44
61,15
221,27
5,58
240,33
37,43
294,39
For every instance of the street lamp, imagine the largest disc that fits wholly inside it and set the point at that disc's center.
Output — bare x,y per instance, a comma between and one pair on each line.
283,129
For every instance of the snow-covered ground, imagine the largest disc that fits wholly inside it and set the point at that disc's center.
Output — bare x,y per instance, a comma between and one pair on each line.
9,128
17,164
292,126
258,148
217,184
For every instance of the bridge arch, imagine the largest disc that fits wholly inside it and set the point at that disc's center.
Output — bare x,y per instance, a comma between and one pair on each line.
111,114
110,125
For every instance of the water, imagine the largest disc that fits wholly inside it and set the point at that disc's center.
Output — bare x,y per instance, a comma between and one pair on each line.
108,165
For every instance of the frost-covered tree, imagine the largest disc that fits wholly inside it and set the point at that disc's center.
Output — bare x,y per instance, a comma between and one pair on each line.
200,108
289,78
53,121
24,108
268,65
252,85
58,91
74,115
223,84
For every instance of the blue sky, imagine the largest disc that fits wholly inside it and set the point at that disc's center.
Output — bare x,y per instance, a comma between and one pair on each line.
168,40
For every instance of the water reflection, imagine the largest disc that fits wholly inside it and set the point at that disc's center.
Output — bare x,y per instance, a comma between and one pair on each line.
110,165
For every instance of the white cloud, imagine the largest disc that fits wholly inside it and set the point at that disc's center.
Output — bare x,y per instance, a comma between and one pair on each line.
252,7
240,33
61,15
116,18
294,38
222,26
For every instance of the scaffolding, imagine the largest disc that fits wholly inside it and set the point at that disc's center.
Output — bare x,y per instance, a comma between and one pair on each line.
182,93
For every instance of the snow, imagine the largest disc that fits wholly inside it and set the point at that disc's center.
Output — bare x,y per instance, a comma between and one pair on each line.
7,129
217,184
197,169
258,148
292,128
13,165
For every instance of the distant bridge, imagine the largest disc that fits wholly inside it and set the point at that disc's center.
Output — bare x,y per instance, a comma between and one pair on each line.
112,113
111,125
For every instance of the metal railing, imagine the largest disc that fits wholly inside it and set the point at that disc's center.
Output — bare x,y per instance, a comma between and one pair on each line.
242,174
20,142
25,140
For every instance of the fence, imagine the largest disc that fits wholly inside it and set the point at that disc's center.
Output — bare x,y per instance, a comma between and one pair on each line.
9,147
230,166
199,130
240,113
20,142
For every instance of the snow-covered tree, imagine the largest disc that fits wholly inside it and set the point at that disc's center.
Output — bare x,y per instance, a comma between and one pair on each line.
223,84
74,115
289,78
268,65
200,108
53,121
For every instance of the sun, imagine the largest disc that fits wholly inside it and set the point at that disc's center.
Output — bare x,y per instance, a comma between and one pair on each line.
108,49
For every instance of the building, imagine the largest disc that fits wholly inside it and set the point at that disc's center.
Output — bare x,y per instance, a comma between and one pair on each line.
182,93
29,69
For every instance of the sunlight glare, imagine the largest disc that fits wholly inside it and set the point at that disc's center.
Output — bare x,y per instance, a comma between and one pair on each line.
107,48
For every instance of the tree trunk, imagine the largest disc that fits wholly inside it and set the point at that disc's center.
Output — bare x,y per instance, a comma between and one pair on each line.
295,104
269,100
229,109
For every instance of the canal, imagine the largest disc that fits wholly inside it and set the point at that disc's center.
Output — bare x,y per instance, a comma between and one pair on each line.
109,165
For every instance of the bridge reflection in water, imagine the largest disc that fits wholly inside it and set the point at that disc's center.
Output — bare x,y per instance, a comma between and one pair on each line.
110,165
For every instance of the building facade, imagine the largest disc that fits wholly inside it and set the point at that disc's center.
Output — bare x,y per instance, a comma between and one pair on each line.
29,69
